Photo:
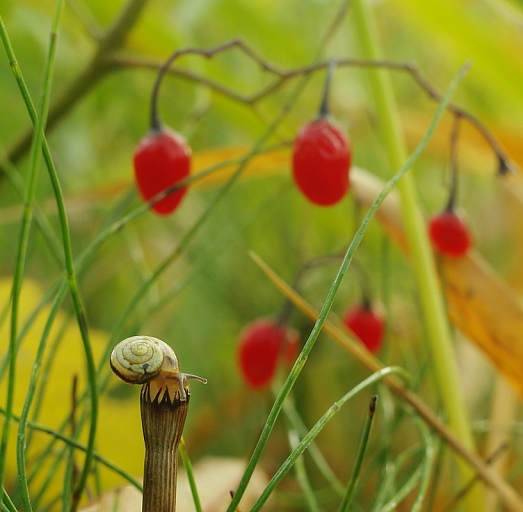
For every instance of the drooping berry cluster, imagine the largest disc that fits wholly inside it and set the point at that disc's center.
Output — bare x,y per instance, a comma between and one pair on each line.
261,345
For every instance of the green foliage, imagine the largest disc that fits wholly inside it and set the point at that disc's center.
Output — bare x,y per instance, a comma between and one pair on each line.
188,278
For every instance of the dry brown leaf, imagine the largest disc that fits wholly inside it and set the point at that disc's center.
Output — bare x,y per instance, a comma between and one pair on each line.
481,305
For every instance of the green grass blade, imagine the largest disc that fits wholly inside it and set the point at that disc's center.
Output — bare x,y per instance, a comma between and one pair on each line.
349,494
300,362
438,331
190,475
33,182
318,427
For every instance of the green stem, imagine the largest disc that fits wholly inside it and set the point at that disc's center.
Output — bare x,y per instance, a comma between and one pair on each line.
318,427
296,423
6,502
301,473
70,272
182,450
25,226
432,302
35,163
347,498
322,316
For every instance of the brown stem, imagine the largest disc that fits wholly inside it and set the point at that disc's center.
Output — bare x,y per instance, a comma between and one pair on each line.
163,418
281,76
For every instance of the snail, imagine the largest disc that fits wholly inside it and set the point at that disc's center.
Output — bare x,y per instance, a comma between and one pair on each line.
142,359
164,401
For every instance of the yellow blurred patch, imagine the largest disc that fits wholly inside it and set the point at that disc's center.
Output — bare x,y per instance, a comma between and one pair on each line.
119,424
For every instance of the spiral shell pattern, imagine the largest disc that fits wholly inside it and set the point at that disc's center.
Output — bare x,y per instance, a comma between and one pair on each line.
139,359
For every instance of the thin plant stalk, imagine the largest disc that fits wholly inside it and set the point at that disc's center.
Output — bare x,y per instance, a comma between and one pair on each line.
349,494
6,502
427,467
294,419
29,197
318,427
33,183
510,497
182,450
70,271
403,491
439,335
301,474
322,316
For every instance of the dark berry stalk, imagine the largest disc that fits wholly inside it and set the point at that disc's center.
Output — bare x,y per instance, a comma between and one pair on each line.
453,192
324,109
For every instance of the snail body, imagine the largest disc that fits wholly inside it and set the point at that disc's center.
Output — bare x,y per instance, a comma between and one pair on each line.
142,359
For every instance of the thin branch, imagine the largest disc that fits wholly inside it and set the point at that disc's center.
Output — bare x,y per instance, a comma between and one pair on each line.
107,60
281,75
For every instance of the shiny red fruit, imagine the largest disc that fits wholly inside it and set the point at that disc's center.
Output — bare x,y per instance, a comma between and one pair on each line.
321,162
367,325
162,159
450,234
259,348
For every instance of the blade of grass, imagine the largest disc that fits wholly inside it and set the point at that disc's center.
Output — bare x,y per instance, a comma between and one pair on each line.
70,271
349,493
33,182
318,427
300,362
311,503
297,423
509,496
433,305
182,450
6,502
25,225
69,441
428,465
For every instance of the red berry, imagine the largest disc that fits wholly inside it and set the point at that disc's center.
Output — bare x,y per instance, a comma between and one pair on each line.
260,344
321,162
367,325
162,159
450,234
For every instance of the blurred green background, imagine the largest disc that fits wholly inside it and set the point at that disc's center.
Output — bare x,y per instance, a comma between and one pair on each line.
203,299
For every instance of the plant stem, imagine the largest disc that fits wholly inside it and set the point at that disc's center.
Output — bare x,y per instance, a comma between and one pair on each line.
69,267
324,312
182,449
347,499
438,330
35,164
318,427
162,423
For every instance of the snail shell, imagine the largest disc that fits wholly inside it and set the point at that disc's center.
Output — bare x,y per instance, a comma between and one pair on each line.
142,359
139,359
